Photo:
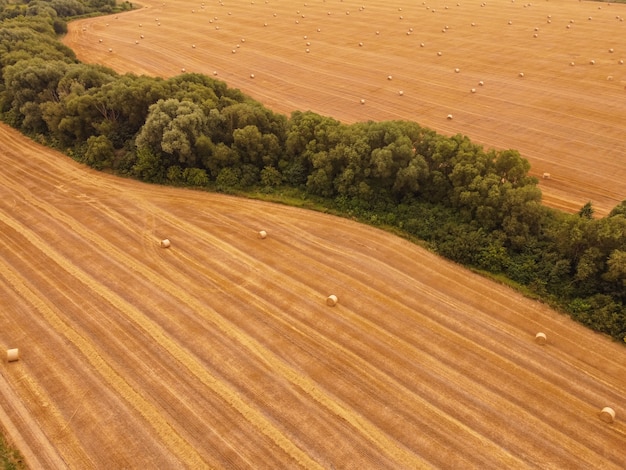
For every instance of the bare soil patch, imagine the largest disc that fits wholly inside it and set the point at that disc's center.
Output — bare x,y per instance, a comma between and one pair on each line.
222,352
326,56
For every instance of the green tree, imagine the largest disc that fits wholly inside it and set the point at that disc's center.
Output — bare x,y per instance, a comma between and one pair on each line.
512,168
124,103
195,177
172,128
99,152
619,210
271,177
175,174
28,84
228,179
248,143
586,211
148,166
68,8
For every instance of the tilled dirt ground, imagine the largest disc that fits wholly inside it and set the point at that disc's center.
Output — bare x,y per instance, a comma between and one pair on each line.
566,115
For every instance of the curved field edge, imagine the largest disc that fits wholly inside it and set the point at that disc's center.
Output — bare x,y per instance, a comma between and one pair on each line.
228,338
487,249
562,118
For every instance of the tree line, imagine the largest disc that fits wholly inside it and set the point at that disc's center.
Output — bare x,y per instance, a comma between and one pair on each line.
475,206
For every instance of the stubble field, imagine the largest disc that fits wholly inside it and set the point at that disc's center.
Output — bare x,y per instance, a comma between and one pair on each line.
221,352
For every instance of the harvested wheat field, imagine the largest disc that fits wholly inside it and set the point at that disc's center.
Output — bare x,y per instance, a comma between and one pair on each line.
513,74
272,337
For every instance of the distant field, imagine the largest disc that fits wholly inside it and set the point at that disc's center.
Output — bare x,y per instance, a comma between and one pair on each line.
568,120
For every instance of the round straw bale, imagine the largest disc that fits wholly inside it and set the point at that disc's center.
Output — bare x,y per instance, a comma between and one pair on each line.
262,234
592,62
473,90
401,92
546,176
607,414
362,101
449,117
457,70
251,75
389,77
13,355
540,338
521,74
165,243
481,83
332,300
